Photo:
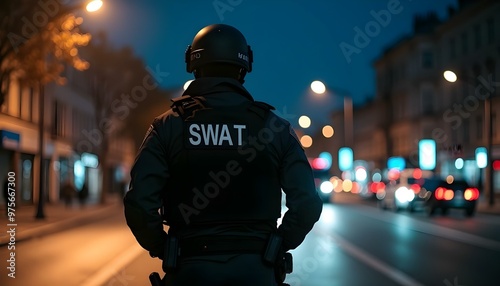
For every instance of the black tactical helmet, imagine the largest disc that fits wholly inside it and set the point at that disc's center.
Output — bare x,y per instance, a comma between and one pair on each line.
219,43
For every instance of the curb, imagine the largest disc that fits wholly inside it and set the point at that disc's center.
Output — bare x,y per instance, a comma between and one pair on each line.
58,225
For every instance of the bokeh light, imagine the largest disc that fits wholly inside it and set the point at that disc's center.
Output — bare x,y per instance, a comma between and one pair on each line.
327,131
450,76
318,87
306,141
304,121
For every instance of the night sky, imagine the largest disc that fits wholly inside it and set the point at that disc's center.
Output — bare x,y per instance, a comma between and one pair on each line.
294,42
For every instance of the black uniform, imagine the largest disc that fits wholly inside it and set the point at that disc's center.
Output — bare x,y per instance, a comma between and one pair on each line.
218,162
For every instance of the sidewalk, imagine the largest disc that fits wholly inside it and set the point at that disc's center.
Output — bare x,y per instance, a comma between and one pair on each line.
57,217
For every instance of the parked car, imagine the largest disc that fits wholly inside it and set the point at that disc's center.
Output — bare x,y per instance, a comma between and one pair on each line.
442,195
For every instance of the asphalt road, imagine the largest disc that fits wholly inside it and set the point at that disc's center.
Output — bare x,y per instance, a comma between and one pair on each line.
352,244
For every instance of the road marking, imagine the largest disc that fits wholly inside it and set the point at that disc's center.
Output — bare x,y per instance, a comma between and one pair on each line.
373,262
114,267
433,229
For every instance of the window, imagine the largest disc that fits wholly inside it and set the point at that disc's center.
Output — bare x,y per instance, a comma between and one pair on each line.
453,50
427,59
477,36
490,24
466,131
465,43
26,104
479,127
494,125
57,119
427,101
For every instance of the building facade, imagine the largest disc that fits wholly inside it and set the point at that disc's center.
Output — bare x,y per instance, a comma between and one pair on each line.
413,101
70,138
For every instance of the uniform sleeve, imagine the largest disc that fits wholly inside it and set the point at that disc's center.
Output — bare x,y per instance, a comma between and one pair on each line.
302,200
144,198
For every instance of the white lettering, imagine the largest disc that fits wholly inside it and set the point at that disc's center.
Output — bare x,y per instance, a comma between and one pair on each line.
243,57
194,133
225,136
240,128
216,134
209,133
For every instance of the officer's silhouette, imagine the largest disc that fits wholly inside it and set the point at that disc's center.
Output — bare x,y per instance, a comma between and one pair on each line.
216,164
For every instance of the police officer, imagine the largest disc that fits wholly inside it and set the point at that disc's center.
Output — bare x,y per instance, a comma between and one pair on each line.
215,165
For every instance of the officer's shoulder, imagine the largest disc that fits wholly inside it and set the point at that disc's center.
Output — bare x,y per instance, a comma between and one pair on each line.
169,117
260,108
263,105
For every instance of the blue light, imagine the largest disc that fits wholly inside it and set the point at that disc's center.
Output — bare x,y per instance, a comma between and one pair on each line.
427,154
459,163
481,157
327,157
346,158
397,163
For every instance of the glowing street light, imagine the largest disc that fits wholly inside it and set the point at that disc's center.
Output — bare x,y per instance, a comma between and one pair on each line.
94,5
318,87
488,128
450,76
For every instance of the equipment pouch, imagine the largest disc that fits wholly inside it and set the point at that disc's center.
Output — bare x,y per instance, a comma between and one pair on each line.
288,263
171,254
273,248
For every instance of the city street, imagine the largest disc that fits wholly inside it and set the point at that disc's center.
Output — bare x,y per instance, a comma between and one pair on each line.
354,243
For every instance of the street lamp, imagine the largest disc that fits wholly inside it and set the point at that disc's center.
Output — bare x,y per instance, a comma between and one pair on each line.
319,87
451,76
92,6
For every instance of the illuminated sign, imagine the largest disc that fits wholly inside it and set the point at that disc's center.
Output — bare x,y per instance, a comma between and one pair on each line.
346,159
427,154
89,160
397,163
481,157
9,140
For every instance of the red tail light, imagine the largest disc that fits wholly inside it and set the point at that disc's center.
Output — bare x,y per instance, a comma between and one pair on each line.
376,187
448,195
415,188
439,193
444,194
471,194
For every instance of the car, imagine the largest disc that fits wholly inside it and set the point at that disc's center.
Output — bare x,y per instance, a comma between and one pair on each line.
404,191
455,194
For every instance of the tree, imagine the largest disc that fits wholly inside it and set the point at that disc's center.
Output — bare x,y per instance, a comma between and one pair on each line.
35,41
117,83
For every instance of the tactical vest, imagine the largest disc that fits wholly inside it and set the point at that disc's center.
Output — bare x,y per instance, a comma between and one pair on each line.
226,171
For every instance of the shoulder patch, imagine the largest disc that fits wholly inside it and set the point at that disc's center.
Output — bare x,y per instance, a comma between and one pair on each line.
187,105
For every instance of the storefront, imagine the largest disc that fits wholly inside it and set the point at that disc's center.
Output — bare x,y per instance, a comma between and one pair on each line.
13,159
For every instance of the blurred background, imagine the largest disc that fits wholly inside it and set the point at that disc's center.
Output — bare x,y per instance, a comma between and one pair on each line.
392,100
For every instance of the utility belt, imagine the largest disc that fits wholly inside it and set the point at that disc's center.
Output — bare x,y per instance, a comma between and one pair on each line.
270,250
220,245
